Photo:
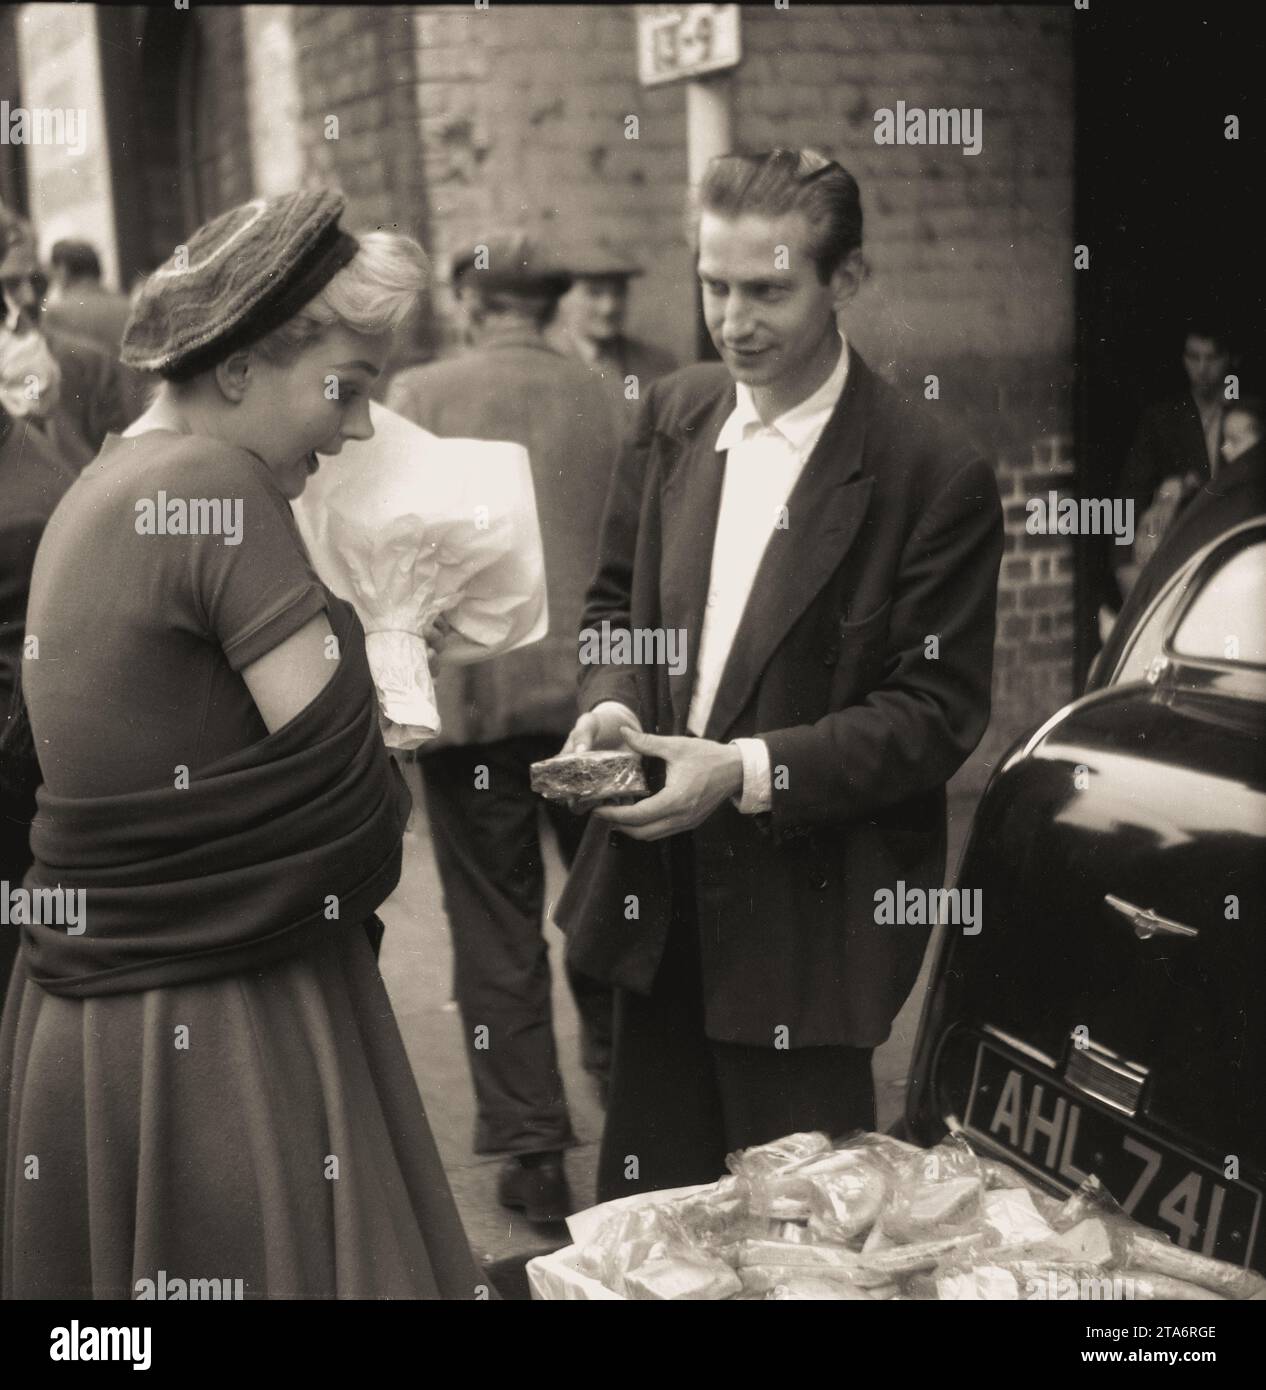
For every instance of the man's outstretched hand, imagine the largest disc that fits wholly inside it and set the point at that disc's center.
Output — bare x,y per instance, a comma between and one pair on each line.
701,775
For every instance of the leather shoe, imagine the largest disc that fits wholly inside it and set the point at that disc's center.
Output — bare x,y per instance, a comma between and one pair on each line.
536,1185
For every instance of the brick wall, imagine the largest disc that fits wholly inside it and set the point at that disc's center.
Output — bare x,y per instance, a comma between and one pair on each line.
356,64
970,254
523,113
1035,617
223,148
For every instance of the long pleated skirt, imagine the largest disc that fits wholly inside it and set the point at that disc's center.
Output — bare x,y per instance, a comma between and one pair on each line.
262,1128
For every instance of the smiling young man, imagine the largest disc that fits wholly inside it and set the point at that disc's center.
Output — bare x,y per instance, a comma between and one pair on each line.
832,552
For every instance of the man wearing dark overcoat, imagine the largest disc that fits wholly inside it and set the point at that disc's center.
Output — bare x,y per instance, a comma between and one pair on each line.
499,716
829,551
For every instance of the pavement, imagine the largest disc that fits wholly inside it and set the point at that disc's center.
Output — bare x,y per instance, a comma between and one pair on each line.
416,965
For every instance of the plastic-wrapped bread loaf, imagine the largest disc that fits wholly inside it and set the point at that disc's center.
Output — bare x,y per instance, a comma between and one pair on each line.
582,781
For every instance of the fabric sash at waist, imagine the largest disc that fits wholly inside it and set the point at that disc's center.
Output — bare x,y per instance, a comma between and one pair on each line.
263,853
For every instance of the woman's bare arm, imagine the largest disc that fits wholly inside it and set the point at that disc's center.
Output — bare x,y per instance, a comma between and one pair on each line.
287,679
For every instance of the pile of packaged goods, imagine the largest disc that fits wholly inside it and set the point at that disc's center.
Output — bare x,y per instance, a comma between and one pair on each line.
875,1218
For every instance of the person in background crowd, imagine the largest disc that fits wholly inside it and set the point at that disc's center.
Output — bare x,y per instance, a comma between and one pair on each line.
94,397
590,327
1243,428
1236,492
502,715
198,1044
78,303
32,481
1176,447
30,393
809,530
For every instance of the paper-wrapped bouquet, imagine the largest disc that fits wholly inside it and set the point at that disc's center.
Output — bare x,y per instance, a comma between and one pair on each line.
423,534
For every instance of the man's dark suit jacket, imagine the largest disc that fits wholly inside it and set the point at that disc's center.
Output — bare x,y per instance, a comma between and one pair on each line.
894,537
1169,443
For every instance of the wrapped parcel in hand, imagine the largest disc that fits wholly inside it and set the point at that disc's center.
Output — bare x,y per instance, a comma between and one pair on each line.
582,781
410,528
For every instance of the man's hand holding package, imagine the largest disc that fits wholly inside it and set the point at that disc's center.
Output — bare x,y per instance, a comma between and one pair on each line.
701,775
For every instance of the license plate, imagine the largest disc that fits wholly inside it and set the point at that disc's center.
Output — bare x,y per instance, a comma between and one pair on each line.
1032,1121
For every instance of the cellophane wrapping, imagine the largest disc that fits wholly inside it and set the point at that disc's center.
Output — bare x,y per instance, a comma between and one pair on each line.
598,777
412,529
874,1218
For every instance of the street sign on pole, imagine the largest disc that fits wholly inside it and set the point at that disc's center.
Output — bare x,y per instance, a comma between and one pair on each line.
681,41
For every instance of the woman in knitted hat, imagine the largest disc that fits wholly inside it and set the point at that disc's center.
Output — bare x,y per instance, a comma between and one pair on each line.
200,1062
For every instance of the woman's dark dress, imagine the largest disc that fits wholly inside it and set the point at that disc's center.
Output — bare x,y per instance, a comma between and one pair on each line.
263,1126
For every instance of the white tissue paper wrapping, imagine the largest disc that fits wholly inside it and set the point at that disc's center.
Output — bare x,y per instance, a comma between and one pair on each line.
409,527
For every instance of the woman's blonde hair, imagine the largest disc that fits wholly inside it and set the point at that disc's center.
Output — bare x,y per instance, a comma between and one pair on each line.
375,292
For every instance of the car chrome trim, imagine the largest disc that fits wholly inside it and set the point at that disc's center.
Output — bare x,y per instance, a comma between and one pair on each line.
1238,678
1039,734
1097,1071
1024,1048
1146,922
1025,748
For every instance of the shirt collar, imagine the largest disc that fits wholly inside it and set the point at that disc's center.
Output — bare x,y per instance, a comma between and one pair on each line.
801,425
514,335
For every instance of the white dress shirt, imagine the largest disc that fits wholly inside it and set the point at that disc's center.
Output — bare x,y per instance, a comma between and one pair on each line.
762,465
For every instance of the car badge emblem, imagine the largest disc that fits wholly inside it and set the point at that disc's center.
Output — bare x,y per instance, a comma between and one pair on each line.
1145,922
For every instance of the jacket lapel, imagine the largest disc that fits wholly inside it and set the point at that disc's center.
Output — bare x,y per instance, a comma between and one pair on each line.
824,514
1194,446
690,499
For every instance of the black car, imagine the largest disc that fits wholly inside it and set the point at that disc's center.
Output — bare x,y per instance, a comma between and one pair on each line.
1108,1015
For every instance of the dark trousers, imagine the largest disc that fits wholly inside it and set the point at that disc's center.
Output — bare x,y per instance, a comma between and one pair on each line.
680,1102
486,833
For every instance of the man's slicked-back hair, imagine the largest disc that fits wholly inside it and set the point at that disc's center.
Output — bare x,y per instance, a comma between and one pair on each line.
783,181
1212,327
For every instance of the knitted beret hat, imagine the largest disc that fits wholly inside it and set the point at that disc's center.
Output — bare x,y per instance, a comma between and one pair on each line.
239,277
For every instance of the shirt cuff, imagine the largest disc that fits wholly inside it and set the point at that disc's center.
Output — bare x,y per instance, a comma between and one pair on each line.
757,794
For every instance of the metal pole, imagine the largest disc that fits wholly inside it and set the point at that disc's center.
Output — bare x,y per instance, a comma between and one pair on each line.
709,132
709,128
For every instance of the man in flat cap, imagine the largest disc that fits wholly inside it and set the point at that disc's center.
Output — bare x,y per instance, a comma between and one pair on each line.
500,716
590,327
